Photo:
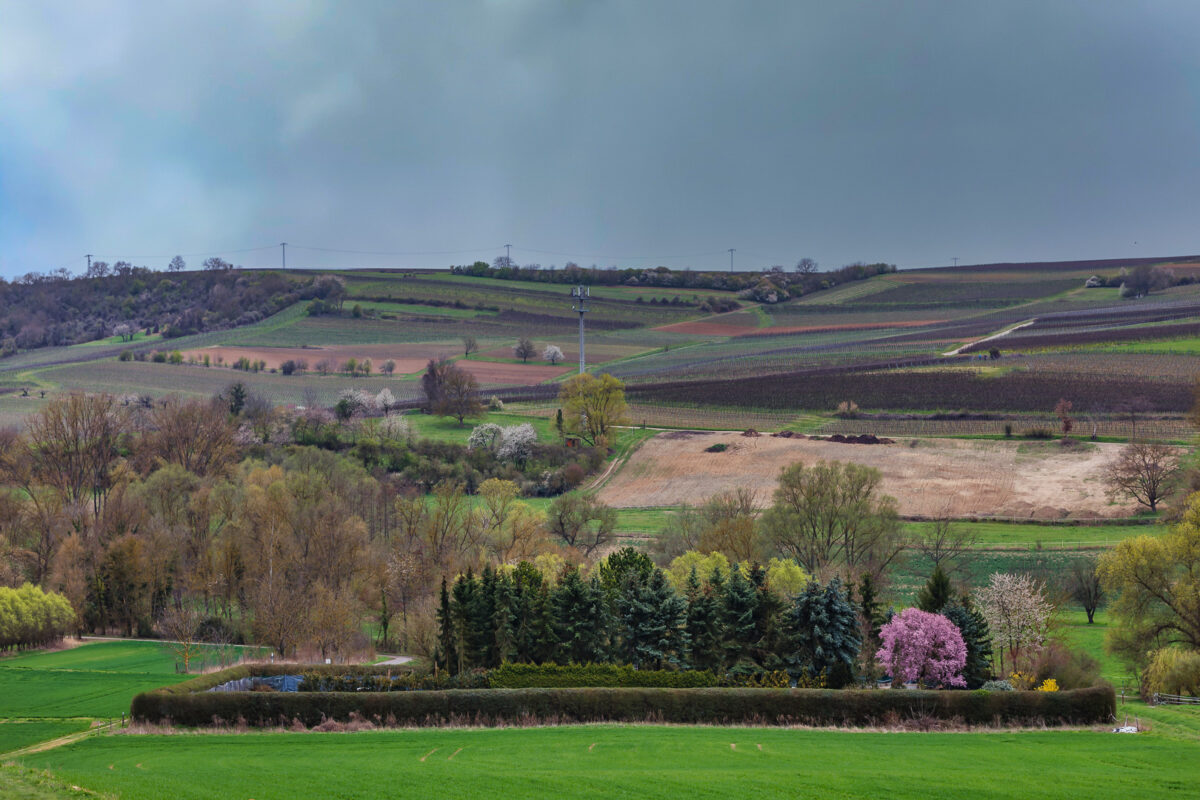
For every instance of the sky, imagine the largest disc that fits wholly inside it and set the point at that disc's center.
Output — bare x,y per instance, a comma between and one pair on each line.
627,133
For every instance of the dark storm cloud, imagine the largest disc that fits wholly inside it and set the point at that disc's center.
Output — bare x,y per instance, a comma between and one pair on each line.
618,132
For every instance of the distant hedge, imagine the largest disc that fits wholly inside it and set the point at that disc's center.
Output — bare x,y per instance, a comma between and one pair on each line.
189,705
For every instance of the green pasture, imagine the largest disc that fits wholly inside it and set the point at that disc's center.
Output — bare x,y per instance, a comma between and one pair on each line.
96,679
15,735
412,308
447,429
1015,534
629,761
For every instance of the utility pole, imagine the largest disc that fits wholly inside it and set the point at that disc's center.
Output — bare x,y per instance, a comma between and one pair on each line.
508,255
731,259
580,294
955,261
283,245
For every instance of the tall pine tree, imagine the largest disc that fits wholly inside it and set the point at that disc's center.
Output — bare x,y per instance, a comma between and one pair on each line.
978,639
937,592
825,633
447,655
580,620
703,626
739,606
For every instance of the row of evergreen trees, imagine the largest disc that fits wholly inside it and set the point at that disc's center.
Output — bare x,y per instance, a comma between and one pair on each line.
627,612
731,622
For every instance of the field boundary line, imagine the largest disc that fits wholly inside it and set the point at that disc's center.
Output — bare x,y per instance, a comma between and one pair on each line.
62,741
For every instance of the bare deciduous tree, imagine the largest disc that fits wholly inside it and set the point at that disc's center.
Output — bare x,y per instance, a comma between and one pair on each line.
1083,583
944,543
179,625
581,521
469,345
459,395
1144,472
524,349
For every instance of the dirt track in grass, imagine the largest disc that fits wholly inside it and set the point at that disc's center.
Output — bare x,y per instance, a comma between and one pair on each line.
1035,480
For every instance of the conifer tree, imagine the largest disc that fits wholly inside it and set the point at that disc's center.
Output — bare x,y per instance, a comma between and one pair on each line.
651,618
531,623
580,620
740,602
977,638
772,635
825,630
503,641
703,625
937,592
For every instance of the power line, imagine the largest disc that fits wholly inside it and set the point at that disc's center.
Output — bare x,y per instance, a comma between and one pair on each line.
394,252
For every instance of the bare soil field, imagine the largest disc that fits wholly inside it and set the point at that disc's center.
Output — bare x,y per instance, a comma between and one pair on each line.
408,357
714,326
512,374
1036,480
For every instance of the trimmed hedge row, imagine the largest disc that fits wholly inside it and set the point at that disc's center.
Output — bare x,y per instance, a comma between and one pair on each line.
691,706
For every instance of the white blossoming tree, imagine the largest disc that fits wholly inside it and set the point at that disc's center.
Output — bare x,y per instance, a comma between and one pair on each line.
1017,614
553,353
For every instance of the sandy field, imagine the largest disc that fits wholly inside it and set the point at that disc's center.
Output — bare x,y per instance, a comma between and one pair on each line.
956,477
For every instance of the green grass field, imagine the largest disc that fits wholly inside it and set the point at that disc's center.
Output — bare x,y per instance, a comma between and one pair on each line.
629,761
15,735
96,679
1006,534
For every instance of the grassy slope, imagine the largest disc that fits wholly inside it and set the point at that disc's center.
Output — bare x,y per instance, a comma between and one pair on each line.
626,761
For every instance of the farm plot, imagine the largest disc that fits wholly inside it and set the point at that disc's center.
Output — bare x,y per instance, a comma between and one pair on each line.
408,357
735,323
157,380
933,477
96,679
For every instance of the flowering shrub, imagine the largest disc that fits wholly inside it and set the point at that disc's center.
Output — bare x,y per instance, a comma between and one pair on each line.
1048,685
923,648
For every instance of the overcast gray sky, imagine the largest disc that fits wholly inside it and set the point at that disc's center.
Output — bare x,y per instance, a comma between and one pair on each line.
631,133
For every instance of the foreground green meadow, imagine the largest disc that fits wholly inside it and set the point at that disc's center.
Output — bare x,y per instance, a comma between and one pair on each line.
610,761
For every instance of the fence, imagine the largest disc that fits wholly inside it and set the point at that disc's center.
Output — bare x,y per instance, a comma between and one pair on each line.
1173,700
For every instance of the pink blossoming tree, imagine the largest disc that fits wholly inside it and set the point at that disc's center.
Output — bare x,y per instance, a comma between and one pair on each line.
924,648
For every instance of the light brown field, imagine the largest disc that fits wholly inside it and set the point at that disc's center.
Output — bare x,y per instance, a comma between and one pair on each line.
408,357
956,477
512,374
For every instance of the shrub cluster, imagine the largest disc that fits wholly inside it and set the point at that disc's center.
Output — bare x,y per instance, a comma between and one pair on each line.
30,617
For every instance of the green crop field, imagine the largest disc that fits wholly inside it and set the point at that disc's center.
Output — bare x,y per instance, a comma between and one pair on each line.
1008,534
628,761
15,735
96,679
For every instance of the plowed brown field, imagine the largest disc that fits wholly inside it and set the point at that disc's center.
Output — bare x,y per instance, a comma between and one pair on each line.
1039,480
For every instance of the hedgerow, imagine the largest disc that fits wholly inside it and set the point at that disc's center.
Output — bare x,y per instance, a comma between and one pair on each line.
718,706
